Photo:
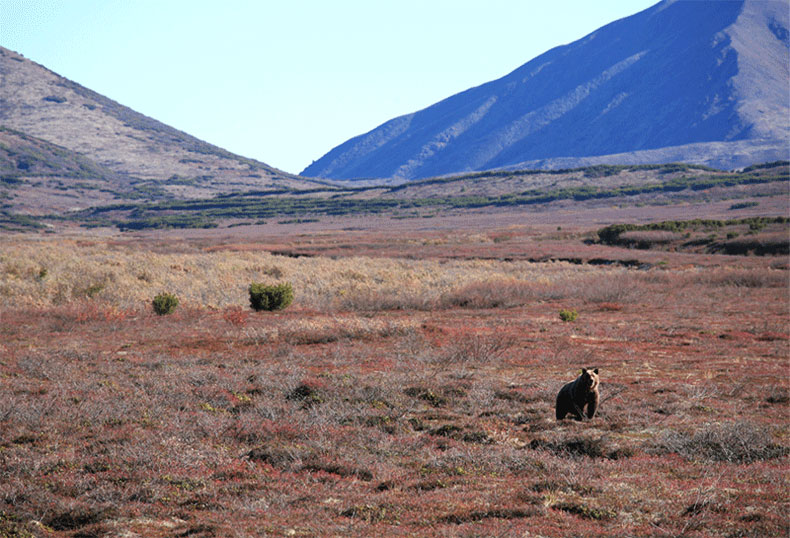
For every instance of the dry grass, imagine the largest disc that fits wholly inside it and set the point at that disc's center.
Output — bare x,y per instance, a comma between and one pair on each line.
58,272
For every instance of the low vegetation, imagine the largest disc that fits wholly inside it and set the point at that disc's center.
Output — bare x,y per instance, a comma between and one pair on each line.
23,156
165,303
395,396
271,297
205,213
568,314
755,235
422,198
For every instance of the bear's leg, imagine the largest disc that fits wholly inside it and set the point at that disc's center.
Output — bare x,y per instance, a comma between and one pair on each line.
592,406
577,411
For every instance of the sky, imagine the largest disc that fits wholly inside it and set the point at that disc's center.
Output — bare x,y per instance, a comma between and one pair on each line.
283,81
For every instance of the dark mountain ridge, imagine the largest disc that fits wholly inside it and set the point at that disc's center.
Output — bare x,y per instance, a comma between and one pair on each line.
700,82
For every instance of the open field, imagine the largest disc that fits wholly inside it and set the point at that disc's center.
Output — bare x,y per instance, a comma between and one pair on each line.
409,389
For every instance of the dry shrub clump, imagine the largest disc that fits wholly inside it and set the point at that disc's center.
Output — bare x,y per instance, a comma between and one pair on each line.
737,442
745,278
615,286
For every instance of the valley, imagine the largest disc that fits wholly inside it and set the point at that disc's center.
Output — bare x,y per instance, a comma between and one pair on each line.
619,202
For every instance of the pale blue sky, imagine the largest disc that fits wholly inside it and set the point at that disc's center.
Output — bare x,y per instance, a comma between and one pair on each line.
286,81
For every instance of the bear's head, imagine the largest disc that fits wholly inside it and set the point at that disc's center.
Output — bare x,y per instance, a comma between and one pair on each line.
590,378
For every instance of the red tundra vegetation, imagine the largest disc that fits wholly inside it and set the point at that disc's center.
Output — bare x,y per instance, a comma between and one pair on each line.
400,394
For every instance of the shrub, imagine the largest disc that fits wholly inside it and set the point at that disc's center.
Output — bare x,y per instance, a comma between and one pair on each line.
646,239
276,297
306,393
585,511
568,315
93,290
497,513
744,205
367,512
575,447
759,244
738,442
476,349
283,457
626,287
744,278
427,395
165,303
73,518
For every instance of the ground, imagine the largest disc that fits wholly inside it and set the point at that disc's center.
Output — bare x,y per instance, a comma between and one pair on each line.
408,390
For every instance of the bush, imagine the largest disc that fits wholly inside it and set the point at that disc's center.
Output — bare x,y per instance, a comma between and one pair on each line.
647,239
93,290
265,297
585,511
575,447
568,315
744,205
738,442
165,303
306,393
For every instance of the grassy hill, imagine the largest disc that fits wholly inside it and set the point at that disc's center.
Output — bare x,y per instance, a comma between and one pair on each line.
128,151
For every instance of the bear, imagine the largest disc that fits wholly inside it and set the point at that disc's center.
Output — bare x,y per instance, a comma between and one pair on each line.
575,395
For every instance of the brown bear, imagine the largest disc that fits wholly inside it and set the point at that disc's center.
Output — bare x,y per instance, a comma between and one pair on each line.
575,395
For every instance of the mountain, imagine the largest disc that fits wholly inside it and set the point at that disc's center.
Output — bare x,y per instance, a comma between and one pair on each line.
64,146
703,82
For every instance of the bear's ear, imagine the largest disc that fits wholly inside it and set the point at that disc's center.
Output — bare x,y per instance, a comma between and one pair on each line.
596,371
584,371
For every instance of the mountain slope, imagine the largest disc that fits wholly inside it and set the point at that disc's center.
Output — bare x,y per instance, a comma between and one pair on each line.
38,177
22,155
673,82
37,103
